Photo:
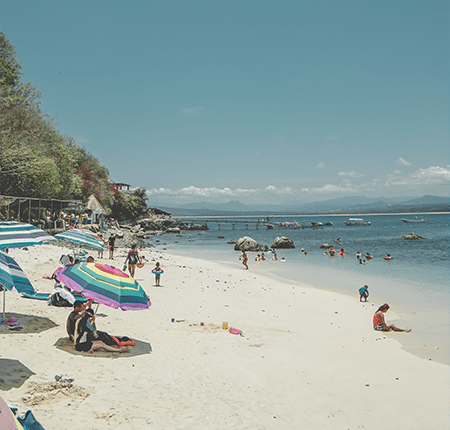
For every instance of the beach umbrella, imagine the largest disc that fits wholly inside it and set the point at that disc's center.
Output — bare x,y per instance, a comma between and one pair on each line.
104,284
7,419
81,238
12,276
15,234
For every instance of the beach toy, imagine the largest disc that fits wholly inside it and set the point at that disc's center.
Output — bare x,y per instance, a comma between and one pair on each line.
224,325
235,331
202,324
11,321
172,319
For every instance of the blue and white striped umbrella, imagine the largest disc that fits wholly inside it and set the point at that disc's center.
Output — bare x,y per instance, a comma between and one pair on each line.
15,234
81,238
12,276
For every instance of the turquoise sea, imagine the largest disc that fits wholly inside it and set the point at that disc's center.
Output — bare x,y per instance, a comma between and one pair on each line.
416,282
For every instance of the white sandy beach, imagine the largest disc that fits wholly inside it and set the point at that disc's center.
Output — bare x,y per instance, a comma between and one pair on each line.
307,358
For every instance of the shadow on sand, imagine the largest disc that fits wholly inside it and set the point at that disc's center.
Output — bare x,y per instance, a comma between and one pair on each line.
13,373
29,324
141,348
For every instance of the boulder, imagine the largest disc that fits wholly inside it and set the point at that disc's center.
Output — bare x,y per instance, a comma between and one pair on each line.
283,242
175,230
248,244
411,236
325,246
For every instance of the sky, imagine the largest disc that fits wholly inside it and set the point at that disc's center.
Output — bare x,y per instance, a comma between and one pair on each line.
257,101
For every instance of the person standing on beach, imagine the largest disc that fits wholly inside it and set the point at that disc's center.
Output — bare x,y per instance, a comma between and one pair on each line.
100,252
157,271
132,258
244,260
379,323
111,244
363,293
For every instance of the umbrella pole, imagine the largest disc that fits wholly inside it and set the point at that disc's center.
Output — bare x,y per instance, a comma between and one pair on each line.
4,296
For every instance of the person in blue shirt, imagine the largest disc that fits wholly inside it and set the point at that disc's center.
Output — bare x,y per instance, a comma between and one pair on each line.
363,293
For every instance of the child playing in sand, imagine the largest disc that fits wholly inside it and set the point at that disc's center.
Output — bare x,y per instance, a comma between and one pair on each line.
157,271
363,293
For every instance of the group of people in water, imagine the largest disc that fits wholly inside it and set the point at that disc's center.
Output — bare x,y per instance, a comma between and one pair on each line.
259,257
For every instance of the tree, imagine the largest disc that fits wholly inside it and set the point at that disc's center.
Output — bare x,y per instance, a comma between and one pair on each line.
130,205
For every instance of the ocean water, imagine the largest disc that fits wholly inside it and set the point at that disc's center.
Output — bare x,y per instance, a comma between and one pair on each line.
416,282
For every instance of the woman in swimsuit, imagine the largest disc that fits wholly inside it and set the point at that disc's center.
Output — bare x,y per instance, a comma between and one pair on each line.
244,260
132,258
379,323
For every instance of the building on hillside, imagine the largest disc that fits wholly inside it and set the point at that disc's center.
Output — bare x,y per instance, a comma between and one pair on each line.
122,187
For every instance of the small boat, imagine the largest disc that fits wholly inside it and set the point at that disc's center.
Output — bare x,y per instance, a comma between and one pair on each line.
415,220
356,221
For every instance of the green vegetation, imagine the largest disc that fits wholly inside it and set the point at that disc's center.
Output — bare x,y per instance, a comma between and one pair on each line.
37,161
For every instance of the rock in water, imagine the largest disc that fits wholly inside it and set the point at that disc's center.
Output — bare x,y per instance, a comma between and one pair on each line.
283,242
411,236
248,244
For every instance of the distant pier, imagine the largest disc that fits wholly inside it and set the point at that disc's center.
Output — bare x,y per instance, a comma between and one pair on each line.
221,222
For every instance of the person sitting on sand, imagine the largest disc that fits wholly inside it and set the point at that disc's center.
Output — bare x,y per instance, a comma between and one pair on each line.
85,339
379,323
78,310
90,259
244,260
263,258
258,258
358,255
275,257
363,293
157,272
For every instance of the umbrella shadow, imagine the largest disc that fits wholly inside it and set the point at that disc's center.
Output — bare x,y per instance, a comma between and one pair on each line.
13,374
141,348
29,324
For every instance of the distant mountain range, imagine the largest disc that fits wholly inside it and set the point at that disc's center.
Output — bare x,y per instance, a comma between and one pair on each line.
350,205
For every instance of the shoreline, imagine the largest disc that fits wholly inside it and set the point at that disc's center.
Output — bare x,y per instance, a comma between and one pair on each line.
432,347
301,359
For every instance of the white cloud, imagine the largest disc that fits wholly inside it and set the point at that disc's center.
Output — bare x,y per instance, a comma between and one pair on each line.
331,138
321,165
193,110
352,174
402,162
80,140
275,190
257,153
431,180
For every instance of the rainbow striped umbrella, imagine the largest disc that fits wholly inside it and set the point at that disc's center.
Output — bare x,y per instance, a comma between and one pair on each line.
15,234
105,284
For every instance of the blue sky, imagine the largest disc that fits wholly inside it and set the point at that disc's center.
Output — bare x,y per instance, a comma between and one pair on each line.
256,101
